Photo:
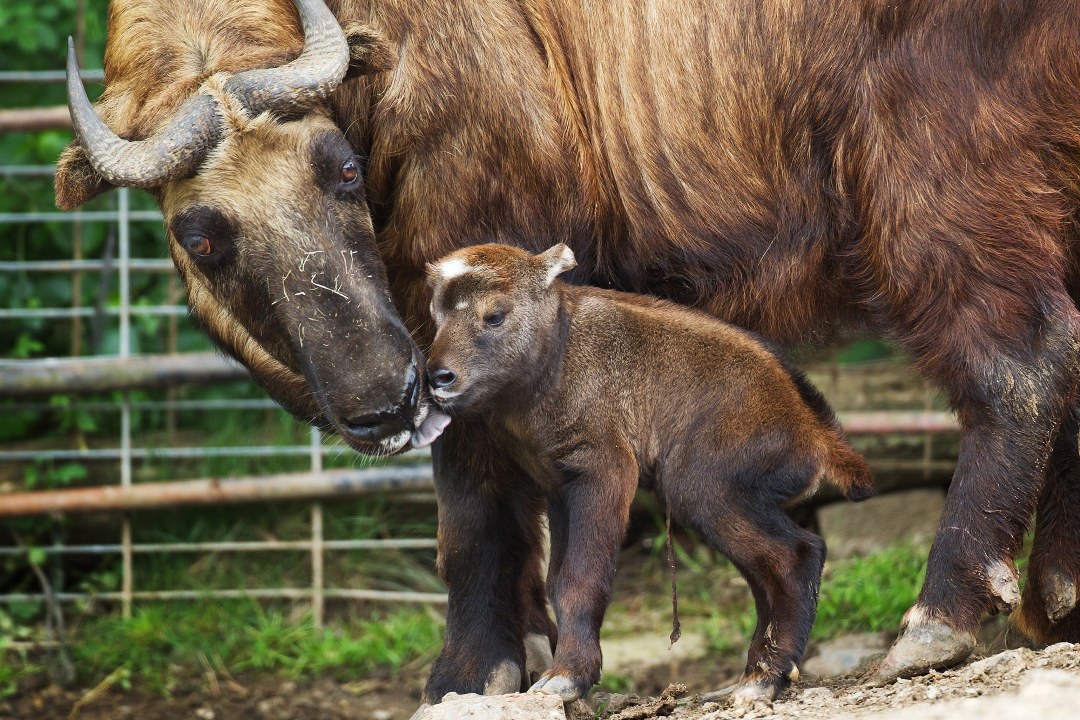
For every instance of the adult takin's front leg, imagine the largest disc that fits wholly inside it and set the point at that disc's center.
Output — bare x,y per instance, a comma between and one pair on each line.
490,556
1010,394
1048,609
588,518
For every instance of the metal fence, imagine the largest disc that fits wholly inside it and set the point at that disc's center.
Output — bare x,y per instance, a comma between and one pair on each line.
129,449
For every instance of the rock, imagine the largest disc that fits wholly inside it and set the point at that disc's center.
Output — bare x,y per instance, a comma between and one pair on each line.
1060,647
205,713
856,529
1050,683
382,715
816,695
843,654
520,706
995,664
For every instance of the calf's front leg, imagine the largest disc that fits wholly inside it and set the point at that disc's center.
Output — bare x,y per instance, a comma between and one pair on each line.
588,519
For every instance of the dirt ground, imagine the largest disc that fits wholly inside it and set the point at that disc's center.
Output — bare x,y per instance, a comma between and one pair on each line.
1012,685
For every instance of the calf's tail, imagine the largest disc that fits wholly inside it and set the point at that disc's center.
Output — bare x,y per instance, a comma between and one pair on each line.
843,466
848,469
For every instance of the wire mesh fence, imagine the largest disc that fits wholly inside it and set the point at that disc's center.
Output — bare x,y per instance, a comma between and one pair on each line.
117,267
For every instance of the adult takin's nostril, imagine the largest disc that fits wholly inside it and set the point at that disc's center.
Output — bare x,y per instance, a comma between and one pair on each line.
412,393
441,377
374,427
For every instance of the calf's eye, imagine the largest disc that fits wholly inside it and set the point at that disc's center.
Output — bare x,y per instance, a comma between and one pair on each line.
198,245
495,319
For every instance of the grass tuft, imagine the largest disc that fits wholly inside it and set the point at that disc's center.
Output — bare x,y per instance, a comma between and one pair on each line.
160,645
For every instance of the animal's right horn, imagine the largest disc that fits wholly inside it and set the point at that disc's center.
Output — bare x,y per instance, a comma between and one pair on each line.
175,151
308,79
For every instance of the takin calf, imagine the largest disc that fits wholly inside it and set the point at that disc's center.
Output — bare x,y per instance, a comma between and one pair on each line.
599,393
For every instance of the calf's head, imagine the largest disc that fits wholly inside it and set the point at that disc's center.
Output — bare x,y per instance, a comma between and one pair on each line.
496,315
262,196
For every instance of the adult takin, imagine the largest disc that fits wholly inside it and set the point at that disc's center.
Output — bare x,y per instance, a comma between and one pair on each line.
809,170
596,393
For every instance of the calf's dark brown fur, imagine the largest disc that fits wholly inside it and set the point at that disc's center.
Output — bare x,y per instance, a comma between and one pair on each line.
597,393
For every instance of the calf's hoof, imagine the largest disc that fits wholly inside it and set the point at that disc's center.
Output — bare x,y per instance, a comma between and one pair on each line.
921,647
750,692
564,686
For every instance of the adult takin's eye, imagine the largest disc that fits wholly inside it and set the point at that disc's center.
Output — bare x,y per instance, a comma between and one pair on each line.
198,245
350,173
495,319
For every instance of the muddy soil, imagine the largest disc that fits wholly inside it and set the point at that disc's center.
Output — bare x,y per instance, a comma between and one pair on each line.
1012,685
226,699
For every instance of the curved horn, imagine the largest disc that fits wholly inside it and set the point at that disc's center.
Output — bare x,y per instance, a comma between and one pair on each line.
174,151
309,78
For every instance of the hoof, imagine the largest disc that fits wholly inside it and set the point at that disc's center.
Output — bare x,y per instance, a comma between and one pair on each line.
746,694
538,657
1059,594
504,678
921,647
569,690
1004,586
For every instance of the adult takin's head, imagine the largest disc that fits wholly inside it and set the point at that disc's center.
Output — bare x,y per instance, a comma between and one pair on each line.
221,111
496,312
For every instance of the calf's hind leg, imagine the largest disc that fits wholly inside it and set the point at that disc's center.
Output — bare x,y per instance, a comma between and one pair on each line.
782,563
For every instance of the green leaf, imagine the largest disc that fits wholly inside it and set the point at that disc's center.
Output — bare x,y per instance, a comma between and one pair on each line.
37,555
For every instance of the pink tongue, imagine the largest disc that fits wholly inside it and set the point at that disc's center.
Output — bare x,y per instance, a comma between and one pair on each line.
430,429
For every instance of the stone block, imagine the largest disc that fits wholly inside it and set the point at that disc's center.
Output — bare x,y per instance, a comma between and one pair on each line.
859,528
516,706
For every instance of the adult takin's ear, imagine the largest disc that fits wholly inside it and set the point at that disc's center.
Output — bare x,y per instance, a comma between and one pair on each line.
369,51
557,260
76,180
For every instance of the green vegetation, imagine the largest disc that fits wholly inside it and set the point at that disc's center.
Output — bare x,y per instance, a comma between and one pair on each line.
163,645
871,593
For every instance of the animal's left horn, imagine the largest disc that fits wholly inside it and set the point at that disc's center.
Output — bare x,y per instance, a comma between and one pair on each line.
175,151
309,78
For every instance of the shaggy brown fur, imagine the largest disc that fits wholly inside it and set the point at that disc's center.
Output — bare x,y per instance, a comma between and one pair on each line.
596,393
801,168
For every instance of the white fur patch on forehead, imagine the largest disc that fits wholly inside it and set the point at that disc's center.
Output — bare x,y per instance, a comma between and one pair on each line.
452,268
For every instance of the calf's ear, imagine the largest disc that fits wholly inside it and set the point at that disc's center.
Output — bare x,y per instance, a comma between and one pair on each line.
369,51
557,260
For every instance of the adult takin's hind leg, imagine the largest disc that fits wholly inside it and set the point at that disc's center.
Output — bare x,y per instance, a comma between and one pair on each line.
1010,406
1048,609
